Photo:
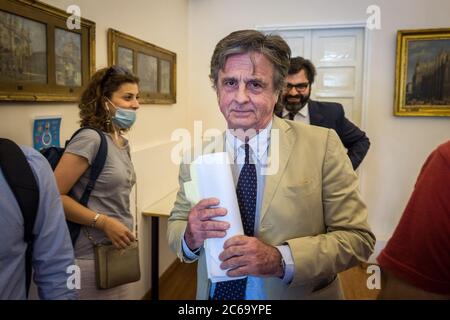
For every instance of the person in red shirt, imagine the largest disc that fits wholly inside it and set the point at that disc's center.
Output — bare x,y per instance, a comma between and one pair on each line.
416,261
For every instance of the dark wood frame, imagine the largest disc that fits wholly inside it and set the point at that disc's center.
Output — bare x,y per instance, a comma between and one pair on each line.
117,38
53,18
403,39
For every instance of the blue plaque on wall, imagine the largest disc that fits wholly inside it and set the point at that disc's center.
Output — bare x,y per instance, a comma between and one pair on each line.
46,132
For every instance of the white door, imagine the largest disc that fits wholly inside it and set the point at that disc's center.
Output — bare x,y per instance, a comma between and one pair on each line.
338,55
299,41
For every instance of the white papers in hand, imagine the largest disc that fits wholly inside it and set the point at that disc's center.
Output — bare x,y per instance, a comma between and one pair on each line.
211,174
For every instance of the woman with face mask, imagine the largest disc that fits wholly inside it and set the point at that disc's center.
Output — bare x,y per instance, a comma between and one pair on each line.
109,103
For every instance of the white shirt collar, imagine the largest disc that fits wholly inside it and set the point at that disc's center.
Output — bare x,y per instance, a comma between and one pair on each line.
304,112
259,144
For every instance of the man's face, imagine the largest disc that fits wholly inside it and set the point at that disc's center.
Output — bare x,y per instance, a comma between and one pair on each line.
297,91
245,91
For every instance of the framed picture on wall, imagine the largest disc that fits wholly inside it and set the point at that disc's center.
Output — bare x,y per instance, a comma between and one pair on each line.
155,66
41,59
422,86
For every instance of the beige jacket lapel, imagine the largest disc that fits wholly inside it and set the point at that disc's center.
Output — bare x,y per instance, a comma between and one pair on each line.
282,143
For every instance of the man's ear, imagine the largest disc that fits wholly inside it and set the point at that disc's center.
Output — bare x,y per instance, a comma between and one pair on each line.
217,93
277,94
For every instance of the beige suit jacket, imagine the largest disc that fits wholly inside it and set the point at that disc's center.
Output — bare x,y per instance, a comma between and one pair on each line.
311,203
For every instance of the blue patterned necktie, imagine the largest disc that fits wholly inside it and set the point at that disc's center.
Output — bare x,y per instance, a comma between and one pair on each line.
246,196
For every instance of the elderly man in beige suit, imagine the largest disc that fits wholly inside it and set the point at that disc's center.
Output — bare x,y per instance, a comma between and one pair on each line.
304,222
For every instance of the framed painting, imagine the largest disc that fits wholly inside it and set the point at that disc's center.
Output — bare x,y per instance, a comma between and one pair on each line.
41,59
422,86
155,66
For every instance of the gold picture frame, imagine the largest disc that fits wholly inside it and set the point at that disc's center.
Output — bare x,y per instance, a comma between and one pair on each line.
422,85
155,66
41,59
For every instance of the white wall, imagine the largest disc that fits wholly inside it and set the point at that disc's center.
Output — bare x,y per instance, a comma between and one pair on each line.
399,145
165,24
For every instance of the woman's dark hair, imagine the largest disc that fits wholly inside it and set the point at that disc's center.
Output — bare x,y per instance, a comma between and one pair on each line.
103,84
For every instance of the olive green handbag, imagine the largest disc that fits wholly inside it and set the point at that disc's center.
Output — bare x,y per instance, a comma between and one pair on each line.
114,267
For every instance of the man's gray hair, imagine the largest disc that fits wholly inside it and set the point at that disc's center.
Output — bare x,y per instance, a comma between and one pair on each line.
273,47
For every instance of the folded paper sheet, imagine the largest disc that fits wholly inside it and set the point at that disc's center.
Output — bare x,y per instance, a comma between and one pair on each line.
212,178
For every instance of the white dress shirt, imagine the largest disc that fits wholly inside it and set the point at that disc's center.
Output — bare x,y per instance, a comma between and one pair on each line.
302,115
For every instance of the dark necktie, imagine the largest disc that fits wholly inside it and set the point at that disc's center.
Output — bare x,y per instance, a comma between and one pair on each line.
246,196
292,115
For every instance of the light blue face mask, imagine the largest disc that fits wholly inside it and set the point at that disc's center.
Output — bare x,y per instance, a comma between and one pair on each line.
124,118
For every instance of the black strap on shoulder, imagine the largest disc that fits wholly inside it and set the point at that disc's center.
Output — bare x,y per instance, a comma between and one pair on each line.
22,182
96,166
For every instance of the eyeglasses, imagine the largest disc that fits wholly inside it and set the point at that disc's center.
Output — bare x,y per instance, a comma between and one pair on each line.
298,86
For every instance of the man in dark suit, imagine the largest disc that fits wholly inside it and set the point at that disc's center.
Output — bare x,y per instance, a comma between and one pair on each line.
295,104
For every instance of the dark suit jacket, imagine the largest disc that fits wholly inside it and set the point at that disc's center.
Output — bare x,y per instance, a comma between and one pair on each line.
331,115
